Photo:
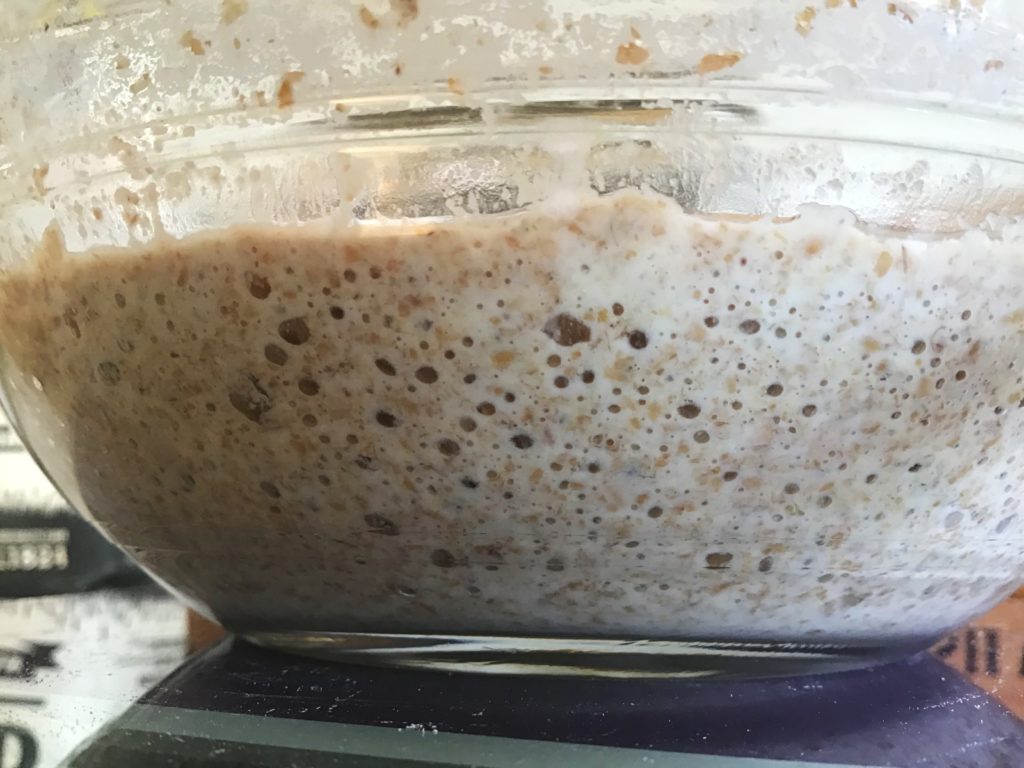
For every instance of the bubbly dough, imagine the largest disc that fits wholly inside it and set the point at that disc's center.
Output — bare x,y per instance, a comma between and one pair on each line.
614,420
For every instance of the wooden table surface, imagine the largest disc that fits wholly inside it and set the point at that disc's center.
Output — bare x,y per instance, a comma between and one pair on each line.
990,652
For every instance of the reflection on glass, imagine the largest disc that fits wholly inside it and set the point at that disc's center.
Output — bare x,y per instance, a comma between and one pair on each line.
70,663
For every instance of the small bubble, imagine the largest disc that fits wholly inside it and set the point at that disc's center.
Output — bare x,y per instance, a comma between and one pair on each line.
566,330
750,327
919,347
109,372
915,468
711,321
961,375
309,420
765,565
554,361
522,442
259,286
617,309
588,377
730,476
448,447
774,390
701,436
294,331
337,313
386,419
593,468
252,402
966,315
469,483
555,565
791,488
809,410
70,322
270,489
780,333
275,354
467,424
467,341
385,367
308,386
689,411
824,501
561,382
870,479
487,409
350,276
442,558
637,339
380,525
426,374
718,560
120,300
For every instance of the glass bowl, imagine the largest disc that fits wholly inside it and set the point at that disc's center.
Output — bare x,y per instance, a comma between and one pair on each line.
548,337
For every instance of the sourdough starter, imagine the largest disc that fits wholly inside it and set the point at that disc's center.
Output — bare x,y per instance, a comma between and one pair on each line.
615,419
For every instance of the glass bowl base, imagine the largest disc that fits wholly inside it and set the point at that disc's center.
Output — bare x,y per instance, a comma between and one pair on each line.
601,657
